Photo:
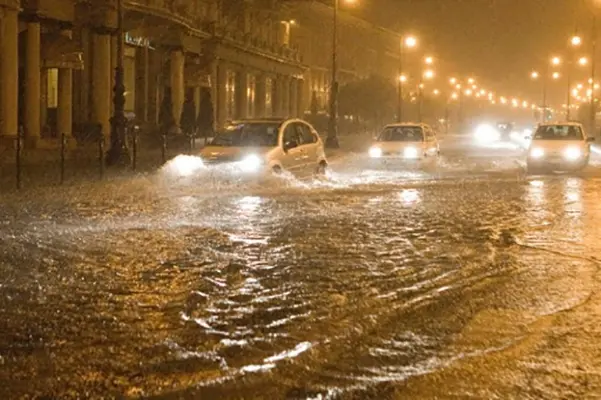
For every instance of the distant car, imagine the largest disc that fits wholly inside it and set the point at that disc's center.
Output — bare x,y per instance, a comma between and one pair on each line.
411,142
263,145
559,147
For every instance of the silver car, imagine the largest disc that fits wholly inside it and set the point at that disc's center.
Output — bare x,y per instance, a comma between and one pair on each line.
255,146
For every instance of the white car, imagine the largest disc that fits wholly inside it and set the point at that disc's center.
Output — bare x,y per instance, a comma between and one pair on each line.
559,147
261,145
411,142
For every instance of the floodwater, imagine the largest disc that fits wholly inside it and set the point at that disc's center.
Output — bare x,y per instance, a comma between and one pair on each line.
466,279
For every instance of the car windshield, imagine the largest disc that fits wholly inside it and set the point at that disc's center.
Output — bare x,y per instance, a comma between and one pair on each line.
401,134
248,135
558,132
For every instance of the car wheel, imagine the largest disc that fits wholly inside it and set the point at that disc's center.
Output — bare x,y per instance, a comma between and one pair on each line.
321,169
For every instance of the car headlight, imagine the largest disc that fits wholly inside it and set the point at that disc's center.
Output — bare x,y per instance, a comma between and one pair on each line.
410,152
251,163
486,134
375,152
572,153
185,165
537,152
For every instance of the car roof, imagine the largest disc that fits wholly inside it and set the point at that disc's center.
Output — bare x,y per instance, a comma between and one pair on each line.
407,124
256,120
566,123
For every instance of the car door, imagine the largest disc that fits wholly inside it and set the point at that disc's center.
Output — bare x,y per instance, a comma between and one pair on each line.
430,142
309,144
292,158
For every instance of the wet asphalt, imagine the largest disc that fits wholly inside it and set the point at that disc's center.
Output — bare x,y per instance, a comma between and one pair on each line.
461,279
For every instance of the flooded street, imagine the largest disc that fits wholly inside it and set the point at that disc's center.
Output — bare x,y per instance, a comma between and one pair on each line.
466,279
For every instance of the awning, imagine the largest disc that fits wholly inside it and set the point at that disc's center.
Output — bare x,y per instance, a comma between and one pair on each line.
60,51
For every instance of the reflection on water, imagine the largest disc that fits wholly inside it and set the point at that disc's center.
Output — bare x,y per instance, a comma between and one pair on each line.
410,196
285,289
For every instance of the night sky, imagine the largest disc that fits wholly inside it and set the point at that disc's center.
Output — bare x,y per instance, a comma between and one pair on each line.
499,41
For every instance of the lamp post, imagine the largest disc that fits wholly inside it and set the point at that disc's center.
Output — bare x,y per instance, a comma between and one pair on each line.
593,112
118,152
332,139
409,42
427,74
575,42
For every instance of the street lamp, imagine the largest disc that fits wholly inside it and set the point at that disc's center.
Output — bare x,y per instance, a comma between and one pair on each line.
409,42
429,60
428,74
575,41
118,152
332,139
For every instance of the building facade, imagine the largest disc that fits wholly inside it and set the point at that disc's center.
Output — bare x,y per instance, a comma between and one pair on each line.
238,58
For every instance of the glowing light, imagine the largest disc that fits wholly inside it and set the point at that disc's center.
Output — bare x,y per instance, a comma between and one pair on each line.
429,74
454,96
583,61
534,75
453,81
410,41
403,78
576,41
556,75
429,60
471,81
556,61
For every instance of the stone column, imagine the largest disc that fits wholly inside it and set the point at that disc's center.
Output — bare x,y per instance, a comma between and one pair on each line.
114,61
142,83
293,106
242,94
101,81
220,106
260,96
32,82
276,99
81,81
65,98
285,105
177,84
154,79
197,99
9,67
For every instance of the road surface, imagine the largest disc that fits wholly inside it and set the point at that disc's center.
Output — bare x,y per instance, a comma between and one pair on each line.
467,279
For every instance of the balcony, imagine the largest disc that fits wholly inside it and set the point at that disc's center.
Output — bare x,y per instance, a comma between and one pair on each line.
254,42
180,11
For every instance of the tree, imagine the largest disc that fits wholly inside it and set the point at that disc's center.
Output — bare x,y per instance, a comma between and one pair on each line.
372,99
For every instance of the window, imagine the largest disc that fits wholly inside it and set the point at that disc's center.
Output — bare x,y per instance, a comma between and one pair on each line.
558,132
402,134
248,135
291,134
129,78
230,94
251,95
268,97
304,132
52,88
